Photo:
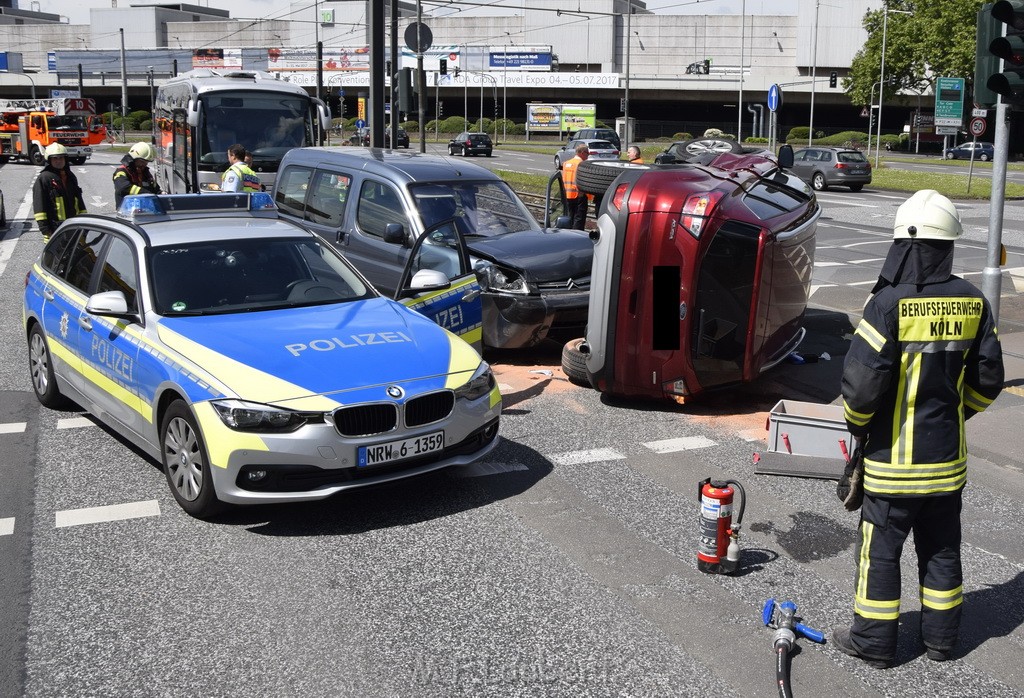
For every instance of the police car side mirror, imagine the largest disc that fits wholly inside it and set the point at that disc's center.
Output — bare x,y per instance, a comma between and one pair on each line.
394,234
108,303
786,156
428,280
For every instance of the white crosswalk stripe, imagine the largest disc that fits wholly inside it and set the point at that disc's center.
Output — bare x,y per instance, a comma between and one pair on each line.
75,423
13,427
115,512
684,443
595,455
6,526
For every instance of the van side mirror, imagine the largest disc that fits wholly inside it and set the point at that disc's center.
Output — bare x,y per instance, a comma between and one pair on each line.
786,156
394,234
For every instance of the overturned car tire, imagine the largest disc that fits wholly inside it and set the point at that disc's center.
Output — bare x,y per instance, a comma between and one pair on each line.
574,362
595,176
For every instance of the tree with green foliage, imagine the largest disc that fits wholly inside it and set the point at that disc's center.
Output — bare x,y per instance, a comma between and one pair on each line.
935,40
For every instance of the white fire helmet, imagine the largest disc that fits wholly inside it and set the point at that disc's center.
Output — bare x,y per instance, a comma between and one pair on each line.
927,215
54,149
142,151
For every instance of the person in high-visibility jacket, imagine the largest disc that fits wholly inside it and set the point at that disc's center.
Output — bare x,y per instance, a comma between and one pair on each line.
633,155
239,177
133,176
925,357
56,195
576,201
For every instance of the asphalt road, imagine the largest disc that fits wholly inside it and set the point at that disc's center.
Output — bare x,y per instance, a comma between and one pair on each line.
563,565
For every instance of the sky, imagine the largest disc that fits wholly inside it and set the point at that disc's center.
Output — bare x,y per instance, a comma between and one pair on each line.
77,11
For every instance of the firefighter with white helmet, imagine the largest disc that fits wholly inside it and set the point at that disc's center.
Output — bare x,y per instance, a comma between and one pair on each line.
132,176
924,358
56,195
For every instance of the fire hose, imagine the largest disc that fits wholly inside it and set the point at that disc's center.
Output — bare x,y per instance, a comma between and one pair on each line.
782,617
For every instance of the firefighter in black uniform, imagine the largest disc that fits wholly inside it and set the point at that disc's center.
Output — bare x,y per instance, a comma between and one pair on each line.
56,195
924,358
132,176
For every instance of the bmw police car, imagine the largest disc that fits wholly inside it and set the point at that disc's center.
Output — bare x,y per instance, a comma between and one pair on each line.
247,356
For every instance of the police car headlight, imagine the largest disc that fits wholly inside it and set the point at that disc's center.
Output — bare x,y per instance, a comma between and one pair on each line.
495,278
479,385
253,416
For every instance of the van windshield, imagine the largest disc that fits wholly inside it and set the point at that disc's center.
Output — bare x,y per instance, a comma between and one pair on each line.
486,208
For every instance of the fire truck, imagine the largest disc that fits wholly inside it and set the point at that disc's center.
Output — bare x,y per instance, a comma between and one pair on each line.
27,126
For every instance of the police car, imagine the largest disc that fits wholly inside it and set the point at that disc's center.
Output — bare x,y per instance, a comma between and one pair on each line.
247,356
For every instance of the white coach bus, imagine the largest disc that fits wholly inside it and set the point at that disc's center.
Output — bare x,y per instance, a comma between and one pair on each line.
198,115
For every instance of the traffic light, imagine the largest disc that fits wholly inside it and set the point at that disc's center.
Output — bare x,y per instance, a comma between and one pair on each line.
1009,83
707,66
456,71
443,66
405,90
440,109
833,79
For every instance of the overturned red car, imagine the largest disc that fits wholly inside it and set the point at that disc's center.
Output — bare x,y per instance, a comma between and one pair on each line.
701,273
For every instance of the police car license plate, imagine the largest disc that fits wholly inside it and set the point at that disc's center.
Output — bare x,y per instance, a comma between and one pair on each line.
401,449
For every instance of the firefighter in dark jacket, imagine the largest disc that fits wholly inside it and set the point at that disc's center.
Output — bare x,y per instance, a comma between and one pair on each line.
132,176
56,195
924,358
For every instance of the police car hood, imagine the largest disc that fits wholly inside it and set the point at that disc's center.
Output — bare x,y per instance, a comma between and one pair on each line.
337,350
553,254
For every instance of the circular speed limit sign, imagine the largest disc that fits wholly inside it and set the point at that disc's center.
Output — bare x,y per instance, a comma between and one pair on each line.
977,126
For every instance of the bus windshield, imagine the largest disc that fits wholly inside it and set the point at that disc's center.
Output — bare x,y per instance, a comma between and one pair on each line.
266,124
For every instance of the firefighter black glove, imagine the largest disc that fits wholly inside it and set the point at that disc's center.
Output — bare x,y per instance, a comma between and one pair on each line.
850,489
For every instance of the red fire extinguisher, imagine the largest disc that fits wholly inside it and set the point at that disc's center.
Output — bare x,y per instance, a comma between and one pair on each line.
719,549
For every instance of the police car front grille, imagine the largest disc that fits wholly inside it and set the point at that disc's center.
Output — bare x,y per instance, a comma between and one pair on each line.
365,420
580,284
429,408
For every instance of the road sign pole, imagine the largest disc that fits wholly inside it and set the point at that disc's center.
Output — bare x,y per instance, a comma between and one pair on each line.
992,277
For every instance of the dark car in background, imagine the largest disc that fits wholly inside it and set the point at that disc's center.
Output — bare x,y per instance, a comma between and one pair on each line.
823,167
470,143
381,208
401,138
981,151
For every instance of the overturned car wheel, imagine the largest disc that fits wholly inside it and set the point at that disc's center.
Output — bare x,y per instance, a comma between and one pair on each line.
574,363
595,176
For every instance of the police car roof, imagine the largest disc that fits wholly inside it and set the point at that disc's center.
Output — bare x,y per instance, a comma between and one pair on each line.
213,228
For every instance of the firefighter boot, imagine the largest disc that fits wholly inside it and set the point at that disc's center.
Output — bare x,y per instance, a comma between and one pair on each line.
841,639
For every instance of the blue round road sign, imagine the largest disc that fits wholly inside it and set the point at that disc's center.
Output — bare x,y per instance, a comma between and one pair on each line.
360,123
774,97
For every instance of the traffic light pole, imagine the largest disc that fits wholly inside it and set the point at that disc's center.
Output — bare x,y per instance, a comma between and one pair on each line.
992,277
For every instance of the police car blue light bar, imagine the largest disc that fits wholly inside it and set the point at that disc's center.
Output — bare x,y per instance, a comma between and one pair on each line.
149,205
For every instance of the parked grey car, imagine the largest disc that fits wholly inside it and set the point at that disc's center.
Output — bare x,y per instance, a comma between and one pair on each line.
601,134
599,150
376,205
823,167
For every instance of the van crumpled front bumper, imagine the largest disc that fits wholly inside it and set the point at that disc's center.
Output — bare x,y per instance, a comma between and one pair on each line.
512,321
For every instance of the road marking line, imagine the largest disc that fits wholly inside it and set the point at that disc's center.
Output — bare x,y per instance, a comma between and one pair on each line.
683,443
1015,390
829,264
868,260
75,423
114,512
7,526
13,427
481,469
840,202
580,457
862,283
1017,277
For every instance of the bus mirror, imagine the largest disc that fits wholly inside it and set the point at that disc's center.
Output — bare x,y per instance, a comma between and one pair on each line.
193,113
325,116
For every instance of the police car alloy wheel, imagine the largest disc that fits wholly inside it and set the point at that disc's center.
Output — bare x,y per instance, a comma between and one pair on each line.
186,463
41,369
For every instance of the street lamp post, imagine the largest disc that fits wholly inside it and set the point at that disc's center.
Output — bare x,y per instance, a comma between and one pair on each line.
629,43
739,106
25,75
814,73
871,114
152,97
881,76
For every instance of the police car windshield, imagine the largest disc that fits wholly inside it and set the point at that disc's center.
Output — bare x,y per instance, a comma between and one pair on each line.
235,276
487,208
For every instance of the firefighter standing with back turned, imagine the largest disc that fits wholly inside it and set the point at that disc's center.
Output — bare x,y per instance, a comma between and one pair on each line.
56,195
576,202
924,358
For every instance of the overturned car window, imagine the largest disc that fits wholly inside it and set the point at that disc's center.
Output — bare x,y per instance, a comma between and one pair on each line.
767,200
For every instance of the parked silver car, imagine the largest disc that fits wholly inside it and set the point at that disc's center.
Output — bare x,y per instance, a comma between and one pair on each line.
599,150
823,167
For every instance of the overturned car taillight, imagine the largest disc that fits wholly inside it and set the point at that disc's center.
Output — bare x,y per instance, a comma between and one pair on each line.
619,197
697,210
